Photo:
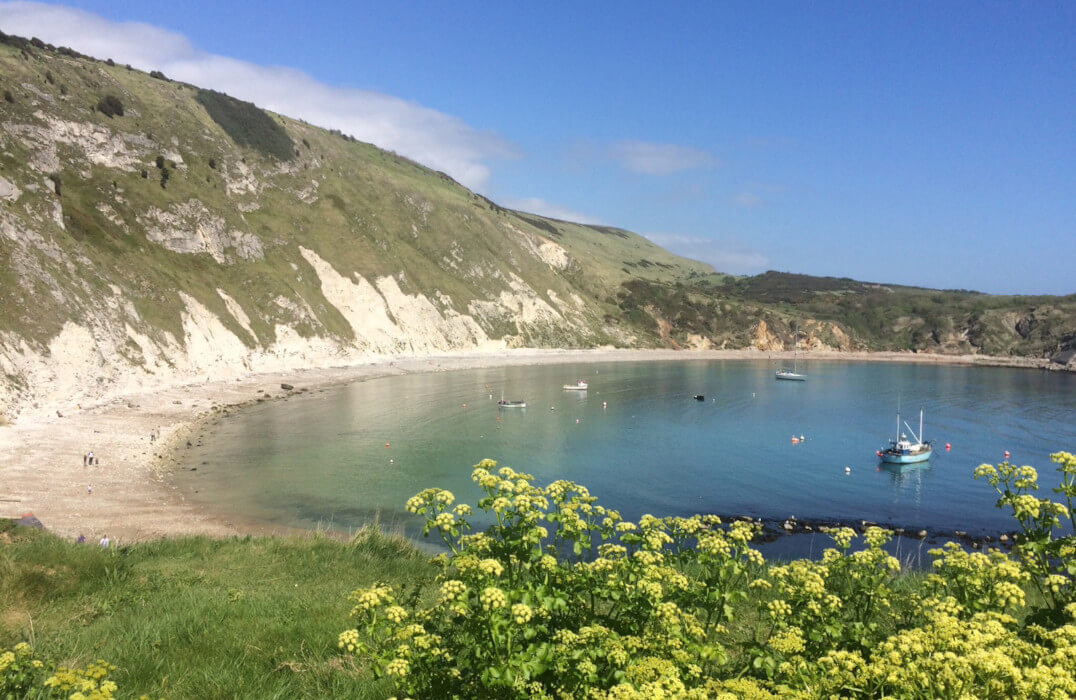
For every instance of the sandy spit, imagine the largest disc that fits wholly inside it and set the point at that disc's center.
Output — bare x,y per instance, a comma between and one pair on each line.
41,458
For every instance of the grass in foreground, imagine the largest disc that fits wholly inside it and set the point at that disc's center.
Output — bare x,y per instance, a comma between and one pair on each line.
200,617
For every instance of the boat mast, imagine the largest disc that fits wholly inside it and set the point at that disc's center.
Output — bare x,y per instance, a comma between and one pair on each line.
920,438
898,415
795,348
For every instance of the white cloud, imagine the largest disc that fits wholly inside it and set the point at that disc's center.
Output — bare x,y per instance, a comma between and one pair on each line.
440,141
659,158
536,205
726,254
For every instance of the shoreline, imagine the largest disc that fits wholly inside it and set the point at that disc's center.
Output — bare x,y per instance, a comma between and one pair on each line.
132,499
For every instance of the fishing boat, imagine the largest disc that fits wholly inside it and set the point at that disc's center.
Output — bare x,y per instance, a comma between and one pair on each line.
792,374
578,386
904,451
519,403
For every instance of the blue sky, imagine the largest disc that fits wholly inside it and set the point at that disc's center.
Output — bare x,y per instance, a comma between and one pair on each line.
913,142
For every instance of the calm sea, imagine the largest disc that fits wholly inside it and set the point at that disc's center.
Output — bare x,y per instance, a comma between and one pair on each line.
345,456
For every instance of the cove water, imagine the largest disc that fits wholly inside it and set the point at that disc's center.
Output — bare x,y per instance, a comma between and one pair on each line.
641,443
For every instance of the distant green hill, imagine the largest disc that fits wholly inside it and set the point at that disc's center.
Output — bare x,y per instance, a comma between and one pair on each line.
152,232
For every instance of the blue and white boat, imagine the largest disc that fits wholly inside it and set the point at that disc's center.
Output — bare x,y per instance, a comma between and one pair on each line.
904,451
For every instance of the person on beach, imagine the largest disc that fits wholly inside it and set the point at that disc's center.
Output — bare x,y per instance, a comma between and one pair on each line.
81,539
105,542
90,457
89,488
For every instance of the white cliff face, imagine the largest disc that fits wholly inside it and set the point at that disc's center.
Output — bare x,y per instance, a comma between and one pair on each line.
92,144
190,227
89,363
73,332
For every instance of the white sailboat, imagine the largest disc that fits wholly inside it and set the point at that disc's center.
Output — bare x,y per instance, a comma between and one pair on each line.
792,374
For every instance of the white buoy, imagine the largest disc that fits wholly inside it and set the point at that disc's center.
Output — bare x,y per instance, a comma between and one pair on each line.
847,470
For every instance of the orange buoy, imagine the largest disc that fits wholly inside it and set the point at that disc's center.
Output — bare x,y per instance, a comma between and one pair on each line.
386,445
948,447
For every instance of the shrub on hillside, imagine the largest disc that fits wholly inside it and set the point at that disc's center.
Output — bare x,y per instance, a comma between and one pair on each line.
110,106
8,97
247,124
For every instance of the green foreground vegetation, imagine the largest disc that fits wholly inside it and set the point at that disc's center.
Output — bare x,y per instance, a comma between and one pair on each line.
560,598
197,617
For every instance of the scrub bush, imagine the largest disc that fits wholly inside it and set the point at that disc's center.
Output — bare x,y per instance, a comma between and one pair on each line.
110,106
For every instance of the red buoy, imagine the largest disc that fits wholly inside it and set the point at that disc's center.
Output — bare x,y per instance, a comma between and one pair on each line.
386,446
1006,454
948,447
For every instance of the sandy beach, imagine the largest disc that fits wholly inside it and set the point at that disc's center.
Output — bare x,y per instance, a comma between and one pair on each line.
127,495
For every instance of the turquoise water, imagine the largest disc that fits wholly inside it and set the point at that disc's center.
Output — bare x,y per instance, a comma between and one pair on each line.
640,442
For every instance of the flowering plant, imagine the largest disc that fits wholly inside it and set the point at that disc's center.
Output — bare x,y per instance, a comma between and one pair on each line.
562,597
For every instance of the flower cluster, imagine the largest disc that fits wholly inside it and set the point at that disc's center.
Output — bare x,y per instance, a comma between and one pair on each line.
563,597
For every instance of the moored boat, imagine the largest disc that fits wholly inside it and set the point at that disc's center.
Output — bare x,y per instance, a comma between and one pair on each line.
792,374
578,386
518,403
904,451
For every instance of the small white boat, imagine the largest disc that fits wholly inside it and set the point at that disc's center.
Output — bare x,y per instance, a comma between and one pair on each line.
518,403
792,374
578,386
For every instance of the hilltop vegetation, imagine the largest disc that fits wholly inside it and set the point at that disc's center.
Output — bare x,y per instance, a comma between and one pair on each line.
850,315
152,231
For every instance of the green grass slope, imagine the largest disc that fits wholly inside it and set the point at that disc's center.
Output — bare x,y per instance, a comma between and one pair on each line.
197,617
130,202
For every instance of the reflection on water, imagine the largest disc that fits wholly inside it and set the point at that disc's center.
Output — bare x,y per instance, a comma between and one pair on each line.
640,441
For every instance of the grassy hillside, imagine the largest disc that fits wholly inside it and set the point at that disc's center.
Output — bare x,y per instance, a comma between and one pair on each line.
171,229
846,314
